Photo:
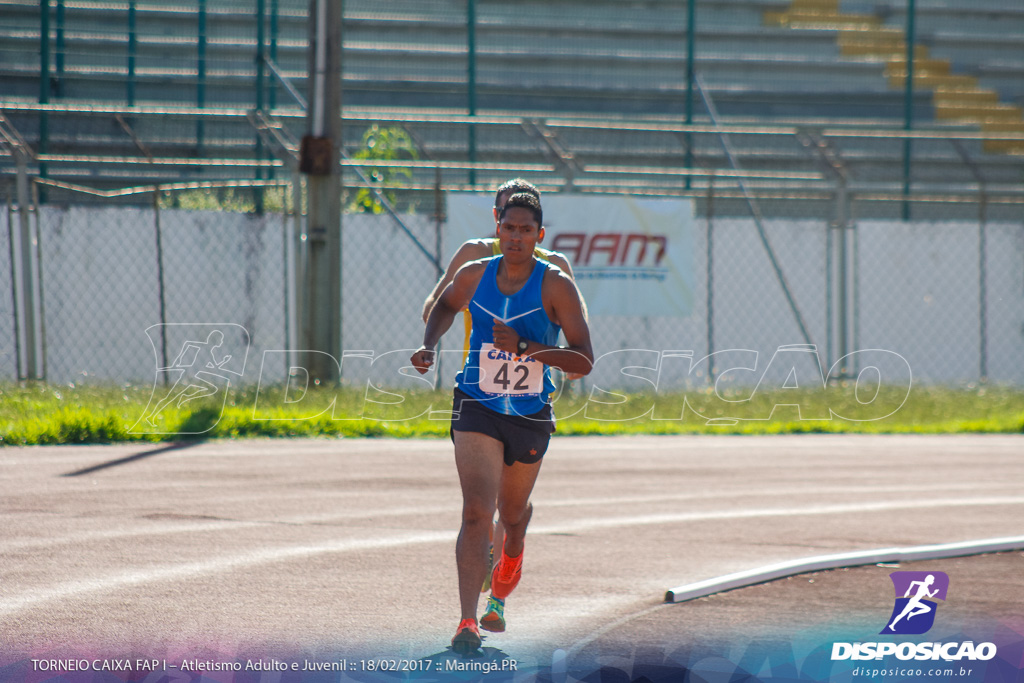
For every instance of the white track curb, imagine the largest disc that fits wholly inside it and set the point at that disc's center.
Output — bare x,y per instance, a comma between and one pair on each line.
701,589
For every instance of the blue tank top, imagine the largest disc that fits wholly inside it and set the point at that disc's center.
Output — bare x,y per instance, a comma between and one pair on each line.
505,382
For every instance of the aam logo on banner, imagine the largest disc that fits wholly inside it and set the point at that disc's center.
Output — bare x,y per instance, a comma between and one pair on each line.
916,596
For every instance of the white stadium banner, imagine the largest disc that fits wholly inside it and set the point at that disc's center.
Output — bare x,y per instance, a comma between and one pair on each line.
630,256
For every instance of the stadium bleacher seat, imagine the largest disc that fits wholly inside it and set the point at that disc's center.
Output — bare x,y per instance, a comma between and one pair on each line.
807,64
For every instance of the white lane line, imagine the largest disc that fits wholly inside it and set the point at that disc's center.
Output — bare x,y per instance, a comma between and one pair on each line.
702,589
192,570
213,524
231,562
761,492
216,525
843,508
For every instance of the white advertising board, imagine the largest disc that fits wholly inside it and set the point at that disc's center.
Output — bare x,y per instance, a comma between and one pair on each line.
630,256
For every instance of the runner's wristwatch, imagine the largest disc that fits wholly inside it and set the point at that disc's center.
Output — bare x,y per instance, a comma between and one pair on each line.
521,345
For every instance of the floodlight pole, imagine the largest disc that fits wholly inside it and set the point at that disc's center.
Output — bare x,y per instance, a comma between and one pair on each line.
319,302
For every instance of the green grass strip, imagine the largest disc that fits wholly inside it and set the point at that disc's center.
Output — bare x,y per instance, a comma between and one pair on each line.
40,413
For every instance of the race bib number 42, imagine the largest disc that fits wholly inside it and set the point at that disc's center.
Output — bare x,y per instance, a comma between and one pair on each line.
506,374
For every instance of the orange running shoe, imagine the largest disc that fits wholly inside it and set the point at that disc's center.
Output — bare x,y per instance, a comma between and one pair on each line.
467,637
506,575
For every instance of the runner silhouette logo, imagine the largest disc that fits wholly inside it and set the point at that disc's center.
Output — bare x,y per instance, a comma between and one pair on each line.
916,595
196,364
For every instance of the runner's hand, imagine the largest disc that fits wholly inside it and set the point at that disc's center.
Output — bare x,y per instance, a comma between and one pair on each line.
422,359
505,338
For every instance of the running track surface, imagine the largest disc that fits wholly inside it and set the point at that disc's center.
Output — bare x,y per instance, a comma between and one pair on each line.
345,547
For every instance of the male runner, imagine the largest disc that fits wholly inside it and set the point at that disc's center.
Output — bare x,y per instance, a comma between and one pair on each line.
502,419
472,250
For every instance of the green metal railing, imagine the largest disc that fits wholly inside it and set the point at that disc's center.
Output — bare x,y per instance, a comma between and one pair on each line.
53,21
268,77
908,106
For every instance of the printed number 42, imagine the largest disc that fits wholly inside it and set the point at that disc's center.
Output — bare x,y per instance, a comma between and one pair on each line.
502,377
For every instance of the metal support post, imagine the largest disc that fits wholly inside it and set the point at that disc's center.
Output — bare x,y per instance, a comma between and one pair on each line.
711,274
201,76
691,29
261,39
320,155
41,305
60,51
842,225
161,287
28,302
132,50
274,29
44,85
908,108
14,287
471,83
300,266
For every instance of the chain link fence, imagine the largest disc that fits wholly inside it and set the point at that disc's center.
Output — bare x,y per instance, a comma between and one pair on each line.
10,352
836,210
956,284
104,278
947,296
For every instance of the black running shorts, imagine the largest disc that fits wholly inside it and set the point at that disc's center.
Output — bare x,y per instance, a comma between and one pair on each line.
525,437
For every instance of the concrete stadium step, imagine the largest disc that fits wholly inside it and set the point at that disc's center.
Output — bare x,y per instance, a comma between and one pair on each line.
958,97
978,111
972,50
1009,146
537,55
994,20
819,14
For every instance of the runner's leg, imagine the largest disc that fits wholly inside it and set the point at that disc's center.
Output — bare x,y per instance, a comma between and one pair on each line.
479,460
514,507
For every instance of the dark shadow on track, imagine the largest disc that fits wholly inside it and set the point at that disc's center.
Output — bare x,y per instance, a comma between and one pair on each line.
176,446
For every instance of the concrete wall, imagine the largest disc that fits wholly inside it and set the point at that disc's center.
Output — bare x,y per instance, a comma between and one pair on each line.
917,294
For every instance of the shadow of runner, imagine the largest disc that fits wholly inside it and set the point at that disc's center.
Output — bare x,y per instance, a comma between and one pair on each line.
176,446
191,431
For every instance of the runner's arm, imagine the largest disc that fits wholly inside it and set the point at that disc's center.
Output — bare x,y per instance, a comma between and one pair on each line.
469,251
557,258
453,299
578,356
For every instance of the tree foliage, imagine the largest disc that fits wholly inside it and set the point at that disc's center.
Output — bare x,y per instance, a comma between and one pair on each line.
390,143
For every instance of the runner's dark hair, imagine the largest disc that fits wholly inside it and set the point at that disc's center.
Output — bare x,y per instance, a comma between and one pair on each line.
516,185
524,200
